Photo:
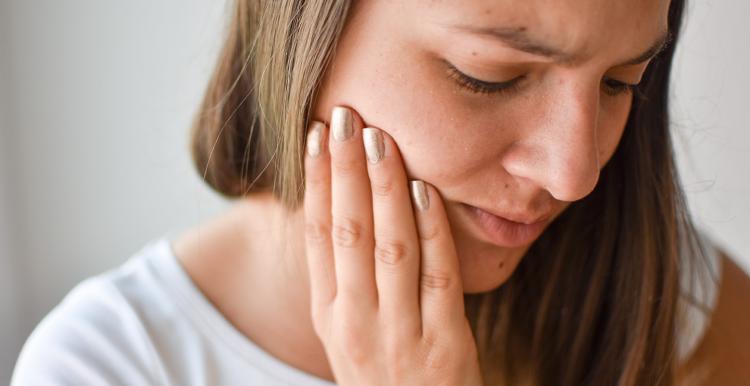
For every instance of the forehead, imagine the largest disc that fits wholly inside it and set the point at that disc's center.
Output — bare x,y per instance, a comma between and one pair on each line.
581,26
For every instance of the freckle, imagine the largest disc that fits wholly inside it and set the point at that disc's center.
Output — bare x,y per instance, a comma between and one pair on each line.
473,53
501,265
506,185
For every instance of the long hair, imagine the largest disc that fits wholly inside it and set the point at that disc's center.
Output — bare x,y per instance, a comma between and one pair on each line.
593,302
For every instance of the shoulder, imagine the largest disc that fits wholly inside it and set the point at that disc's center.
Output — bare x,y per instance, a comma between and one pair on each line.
722,356
96,335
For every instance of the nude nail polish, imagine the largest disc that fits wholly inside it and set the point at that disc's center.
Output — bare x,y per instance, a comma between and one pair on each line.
314,137
374,146
419,195
342,124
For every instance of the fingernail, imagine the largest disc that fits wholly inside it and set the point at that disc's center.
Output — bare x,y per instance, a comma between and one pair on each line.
342,124
419,195
314,136
374,146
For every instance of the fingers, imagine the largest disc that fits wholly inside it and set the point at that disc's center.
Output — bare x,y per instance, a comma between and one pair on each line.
368,244
351,211
396,243
317,203
441,290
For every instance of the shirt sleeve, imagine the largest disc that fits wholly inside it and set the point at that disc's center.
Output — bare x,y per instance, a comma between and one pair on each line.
91,338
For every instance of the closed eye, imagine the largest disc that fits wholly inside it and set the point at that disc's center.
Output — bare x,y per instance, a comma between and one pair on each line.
479,86
611,87
615,87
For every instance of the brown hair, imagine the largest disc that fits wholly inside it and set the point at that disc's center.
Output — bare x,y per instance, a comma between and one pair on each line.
593,302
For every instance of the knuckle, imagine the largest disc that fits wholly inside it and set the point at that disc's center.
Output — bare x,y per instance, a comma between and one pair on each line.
436,354
438,358
430,233
383,187
351,293
347,232
345,168
356,352
390,252
317,233
397,361
351,343
316,181
436,280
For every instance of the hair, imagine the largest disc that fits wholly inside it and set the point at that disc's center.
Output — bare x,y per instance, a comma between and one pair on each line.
593,301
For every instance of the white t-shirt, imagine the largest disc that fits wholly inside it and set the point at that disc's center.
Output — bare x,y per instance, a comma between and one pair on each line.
146,323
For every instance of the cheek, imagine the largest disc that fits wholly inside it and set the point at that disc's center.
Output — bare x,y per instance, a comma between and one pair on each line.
403,91
411,103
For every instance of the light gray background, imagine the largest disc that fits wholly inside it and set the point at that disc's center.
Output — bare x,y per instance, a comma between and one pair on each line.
96,98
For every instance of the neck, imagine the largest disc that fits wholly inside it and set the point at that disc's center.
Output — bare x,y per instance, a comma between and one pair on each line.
280,285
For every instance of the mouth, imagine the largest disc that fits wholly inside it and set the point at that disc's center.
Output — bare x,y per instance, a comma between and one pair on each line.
503,231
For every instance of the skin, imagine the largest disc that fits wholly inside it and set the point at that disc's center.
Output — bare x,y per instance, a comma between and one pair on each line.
530,151
387,299
723,354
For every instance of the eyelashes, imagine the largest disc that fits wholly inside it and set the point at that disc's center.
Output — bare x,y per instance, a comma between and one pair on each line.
610,86
615,87
481,87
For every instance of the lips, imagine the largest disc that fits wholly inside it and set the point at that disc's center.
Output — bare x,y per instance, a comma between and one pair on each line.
520,218
502,231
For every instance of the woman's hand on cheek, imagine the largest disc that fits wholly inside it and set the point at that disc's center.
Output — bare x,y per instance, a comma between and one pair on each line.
386,292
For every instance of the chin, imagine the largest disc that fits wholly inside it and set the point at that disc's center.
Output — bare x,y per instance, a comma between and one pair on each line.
485,266
486,271
482,286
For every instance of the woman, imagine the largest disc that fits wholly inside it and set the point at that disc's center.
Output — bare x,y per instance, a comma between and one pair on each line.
458,193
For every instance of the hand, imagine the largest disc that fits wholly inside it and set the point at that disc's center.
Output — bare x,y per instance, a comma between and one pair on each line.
386,292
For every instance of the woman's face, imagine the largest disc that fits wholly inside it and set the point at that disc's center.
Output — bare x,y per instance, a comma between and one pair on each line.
523,152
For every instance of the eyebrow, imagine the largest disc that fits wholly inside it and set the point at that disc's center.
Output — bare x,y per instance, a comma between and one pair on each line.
517,38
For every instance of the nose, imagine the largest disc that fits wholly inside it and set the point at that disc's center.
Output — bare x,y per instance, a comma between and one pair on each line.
559,151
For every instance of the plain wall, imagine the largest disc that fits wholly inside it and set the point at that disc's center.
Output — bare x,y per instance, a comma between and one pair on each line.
711,81
10,336
98,97
102,93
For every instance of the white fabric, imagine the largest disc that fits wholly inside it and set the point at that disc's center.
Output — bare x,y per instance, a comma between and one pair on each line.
146,323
